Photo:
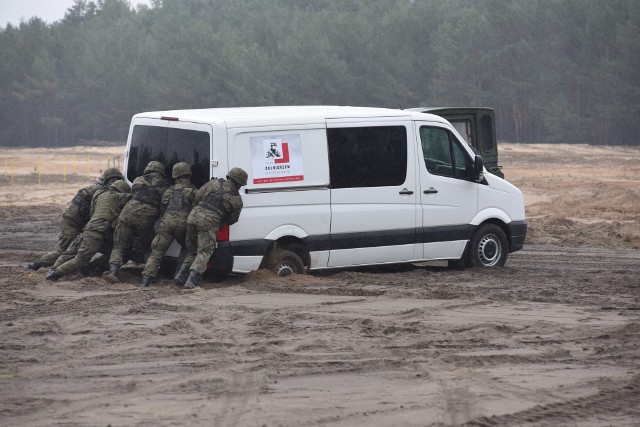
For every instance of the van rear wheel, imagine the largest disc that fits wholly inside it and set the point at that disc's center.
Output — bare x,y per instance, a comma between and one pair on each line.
284,262
489,247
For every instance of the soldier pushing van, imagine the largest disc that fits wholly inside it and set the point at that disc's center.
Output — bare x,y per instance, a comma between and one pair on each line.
75,217
97,234
177,202
139,215
217,202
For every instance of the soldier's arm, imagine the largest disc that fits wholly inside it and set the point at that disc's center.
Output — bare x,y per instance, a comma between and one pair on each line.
166,196
135,186
191,197
200,193
92,208
234,212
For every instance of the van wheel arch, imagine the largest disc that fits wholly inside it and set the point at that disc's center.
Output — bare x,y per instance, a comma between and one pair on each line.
284,248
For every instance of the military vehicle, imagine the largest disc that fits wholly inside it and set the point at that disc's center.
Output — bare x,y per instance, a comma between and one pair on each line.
478,128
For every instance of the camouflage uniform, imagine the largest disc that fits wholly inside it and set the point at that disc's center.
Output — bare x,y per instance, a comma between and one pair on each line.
218,202
139,216
75,217
96,235
177,202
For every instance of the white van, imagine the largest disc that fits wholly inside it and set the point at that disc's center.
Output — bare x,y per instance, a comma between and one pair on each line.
333,187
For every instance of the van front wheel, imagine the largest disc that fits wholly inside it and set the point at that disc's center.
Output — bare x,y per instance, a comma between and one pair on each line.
489,247
284,262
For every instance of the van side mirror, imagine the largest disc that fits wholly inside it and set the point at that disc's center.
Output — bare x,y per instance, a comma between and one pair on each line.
478,169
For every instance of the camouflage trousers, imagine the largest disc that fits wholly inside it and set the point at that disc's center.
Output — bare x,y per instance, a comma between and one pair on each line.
69,230
79,254
201,243
171,228
124,235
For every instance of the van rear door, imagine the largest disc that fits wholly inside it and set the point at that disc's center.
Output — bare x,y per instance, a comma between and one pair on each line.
169,142
373,192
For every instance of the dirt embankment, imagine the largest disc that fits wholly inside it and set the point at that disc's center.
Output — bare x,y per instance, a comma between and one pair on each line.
551,339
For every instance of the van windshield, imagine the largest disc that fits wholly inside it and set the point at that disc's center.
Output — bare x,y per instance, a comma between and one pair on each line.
169,146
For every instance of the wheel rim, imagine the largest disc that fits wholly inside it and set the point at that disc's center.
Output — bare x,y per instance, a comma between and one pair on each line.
489,250
284,269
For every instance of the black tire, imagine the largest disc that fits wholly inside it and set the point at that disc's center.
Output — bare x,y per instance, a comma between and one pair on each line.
489,248
284,262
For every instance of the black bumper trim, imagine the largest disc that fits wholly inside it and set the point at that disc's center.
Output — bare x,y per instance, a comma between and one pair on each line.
517,234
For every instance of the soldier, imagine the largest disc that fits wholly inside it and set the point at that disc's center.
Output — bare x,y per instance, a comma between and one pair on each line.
217,202
177,202
139,215
75,217
97,234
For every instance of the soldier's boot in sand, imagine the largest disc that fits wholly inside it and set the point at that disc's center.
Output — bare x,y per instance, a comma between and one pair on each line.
53,275
33,266
146,281
112,274
181,275
192,281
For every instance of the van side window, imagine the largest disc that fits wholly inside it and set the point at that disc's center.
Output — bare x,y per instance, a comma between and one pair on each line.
367,156
443,154
487,132
169,146
464,128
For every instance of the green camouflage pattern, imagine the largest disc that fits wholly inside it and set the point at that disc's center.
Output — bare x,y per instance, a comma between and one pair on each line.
139,216
177,202
217,202
69,230
78,208
72,220
97,234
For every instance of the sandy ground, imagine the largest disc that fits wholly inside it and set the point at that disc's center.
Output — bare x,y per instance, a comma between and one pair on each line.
551,339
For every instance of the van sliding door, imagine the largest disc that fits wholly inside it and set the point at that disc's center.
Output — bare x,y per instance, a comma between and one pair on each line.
373,193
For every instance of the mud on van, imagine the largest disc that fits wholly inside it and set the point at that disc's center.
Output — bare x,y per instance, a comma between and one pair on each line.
337,187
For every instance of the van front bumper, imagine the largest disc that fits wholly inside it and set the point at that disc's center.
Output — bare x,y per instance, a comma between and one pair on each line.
517,234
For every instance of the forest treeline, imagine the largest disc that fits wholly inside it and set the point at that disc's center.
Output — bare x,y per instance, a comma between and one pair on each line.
554,70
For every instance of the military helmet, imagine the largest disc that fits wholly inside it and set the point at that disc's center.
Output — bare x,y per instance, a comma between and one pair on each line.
154,166
180,169
239,176
110,173
121,186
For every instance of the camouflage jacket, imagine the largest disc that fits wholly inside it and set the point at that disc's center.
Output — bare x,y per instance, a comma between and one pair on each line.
180,198
217,200
78,210
147,191
106,207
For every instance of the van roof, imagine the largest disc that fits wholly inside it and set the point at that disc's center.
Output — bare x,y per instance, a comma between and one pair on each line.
276,115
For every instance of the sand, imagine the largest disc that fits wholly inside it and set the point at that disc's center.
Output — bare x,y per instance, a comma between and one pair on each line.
553,338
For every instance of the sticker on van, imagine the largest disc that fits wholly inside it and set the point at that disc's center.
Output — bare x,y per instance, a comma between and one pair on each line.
276,158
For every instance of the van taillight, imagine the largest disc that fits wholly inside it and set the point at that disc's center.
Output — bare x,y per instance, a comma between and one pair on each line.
171,119
223,234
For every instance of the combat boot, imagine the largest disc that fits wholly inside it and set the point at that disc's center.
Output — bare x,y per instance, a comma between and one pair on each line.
146,281
112,274
113,269
192,281
182,274
53,275
35,266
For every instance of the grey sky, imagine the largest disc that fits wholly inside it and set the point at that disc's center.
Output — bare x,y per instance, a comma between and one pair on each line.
12,11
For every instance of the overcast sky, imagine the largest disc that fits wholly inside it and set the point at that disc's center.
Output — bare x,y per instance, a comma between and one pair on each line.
12,11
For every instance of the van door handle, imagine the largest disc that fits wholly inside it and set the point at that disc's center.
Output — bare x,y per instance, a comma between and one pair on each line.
405,191
430,190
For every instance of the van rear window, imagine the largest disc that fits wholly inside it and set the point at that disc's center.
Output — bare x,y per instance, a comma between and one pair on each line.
367,156
169,146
